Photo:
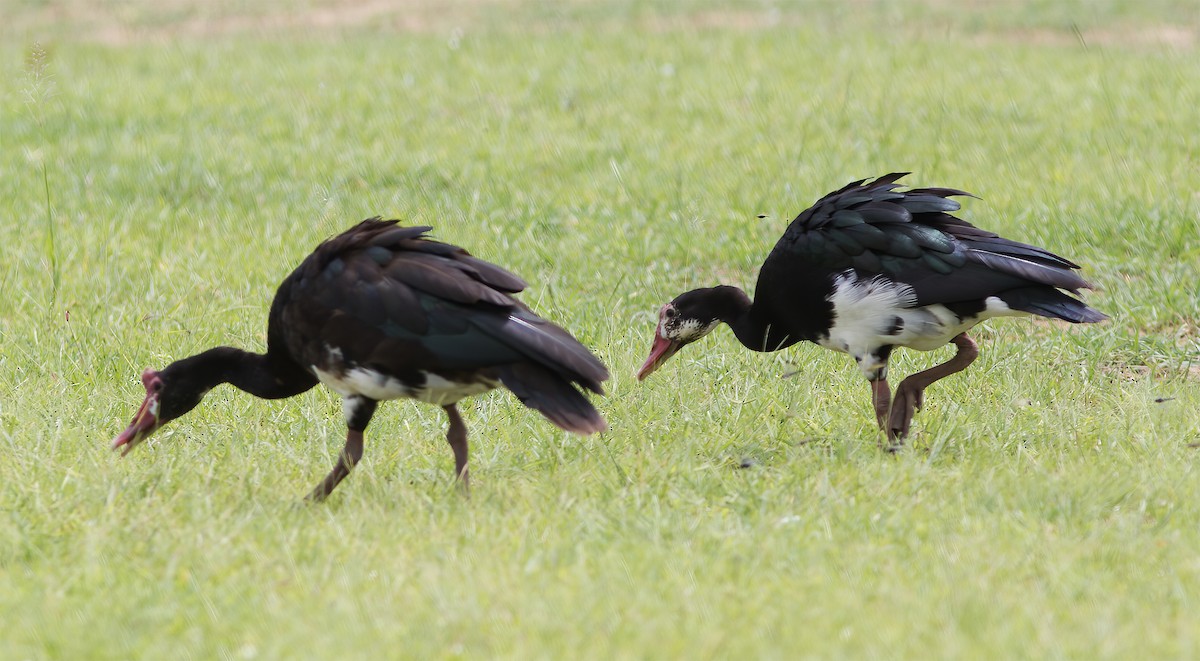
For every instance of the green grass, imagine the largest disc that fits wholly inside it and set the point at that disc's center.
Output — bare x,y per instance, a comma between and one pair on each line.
161,175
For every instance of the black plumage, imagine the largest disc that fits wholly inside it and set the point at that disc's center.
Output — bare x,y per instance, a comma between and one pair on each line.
870,267
382,311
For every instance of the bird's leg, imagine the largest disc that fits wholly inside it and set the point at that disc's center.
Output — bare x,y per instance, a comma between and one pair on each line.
881,397
348,457
358,412
457,437
910,395
874,366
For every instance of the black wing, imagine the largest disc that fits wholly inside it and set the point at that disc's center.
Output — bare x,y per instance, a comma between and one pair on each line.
391,299
910,236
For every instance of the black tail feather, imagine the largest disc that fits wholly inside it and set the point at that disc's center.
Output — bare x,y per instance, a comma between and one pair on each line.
1028,269
1052,303
552,396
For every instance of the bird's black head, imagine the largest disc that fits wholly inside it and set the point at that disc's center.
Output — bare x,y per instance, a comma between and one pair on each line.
169,394
688,318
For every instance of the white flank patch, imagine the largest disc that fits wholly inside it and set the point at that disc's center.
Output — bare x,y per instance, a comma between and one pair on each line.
941,325
864,311
379,386
442,391
998,308
350,406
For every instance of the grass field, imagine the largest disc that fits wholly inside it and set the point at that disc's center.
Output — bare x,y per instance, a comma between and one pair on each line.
165,165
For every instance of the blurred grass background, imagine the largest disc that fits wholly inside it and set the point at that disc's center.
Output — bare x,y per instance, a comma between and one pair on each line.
165,165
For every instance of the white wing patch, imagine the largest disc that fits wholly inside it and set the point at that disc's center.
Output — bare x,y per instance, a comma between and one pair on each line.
864,310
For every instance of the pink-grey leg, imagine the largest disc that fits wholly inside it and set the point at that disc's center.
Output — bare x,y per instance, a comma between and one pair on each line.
456,435
881,398
910,395
349,456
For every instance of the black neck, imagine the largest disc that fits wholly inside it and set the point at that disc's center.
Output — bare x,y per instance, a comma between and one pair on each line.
749,325
261,375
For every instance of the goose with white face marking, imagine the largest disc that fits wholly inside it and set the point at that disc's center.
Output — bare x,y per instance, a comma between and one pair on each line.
871,267
384,312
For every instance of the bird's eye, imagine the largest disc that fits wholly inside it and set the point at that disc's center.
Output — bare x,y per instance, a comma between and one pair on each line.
670,313
157,386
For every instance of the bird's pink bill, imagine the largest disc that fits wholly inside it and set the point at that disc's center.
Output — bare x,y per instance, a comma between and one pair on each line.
660,352
145,421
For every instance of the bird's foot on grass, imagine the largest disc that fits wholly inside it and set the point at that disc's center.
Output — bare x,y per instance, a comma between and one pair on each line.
907,402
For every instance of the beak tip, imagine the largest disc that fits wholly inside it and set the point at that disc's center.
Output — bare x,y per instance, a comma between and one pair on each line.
660,352
127,440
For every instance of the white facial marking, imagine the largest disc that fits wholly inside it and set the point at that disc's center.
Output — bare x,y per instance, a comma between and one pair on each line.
687,330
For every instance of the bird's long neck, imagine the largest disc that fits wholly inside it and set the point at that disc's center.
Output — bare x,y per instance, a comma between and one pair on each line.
751,327
261,375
